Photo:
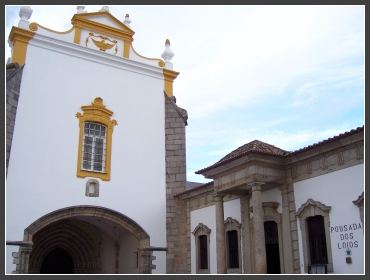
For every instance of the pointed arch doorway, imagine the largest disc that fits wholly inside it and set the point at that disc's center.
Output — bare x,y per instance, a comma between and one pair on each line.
57,261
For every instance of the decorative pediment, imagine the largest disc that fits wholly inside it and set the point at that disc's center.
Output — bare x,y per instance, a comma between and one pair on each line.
101,19
359,201
201,229
312,208
97,112
231,224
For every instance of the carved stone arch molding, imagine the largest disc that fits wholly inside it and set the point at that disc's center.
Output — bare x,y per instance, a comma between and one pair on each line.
232,224
80,239
199,230
309,209
359,202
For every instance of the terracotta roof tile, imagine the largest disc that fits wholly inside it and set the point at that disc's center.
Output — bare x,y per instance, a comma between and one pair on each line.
200,186
255,146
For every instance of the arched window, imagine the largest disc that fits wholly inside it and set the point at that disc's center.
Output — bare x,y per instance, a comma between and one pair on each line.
233,245
314,221
202,234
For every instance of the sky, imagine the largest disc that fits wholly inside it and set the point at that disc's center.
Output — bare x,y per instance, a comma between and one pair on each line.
289,76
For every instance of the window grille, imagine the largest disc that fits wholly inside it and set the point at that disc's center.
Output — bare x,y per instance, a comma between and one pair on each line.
317,240
94,147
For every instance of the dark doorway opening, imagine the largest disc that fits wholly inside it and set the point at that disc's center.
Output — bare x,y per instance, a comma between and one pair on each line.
272,248
57,261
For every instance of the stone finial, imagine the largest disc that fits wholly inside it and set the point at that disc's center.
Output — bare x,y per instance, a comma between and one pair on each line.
25,13
167,55
127,20
81,9
104,9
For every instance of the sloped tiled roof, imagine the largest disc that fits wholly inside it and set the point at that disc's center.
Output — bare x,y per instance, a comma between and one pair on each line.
342,135
192,185
199,187
255,146
259,147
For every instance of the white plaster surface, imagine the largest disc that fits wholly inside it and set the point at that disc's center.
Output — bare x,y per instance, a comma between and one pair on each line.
338,189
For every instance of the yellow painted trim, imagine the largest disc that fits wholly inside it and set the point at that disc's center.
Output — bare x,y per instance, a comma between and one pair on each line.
35,26
103,13
169,76
96,112
160,61
126,49
20,38
77,38
102,28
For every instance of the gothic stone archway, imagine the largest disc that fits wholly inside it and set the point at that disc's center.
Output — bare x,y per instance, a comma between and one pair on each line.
69,229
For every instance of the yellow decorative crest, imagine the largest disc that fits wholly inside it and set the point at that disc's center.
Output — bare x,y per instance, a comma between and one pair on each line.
102,45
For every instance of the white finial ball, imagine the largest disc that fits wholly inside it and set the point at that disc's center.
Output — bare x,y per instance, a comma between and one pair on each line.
80,9
25,13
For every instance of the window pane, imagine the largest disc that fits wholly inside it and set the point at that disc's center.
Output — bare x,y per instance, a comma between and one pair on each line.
97,166
317,240
94,147
86,164
88,140
233,249
203,252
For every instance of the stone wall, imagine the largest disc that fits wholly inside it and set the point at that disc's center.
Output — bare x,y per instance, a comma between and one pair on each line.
178,242
13,83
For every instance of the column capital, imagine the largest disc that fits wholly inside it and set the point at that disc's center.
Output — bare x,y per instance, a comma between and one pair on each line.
218,196
256,186
245,197
284,188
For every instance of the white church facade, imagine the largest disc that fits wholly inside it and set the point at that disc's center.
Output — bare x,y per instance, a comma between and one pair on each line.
96,171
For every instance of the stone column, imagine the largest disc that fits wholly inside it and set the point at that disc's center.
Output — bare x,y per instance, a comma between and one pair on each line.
244,201
259,230
286,231
220,235
117,247
144,261
25,259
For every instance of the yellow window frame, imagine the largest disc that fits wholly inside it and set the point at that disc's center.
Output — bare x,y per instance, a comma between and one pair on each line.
96,112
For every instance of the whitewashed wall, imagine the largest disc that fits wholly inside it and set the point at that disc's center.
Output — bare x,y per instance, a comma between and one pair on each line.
42,168
338,189
207,216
